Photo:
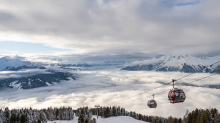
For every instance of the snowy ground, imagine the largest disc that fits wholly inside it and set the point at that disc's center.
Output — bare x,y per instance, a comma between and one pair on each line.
109,87
119,119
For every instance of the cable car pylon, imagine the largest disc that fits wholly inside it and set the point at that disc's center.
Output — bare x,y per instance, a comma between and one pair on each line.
152,103
176,95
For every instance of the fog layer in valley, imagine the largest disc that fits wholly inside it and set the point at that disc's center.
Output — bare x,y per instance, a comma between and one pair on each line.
110,87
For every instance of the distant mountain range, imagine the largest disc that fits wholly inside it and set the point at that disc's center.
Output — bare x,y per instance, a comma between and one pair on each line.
28,74
181,63
15,63
47,77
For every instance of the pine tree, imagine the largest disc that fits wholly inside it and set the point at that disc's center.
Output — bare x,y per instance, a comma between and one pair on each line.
205,117
150,118
180,120
7,114
13,118
160,121
42,116
38,121
194,117
170,119
147,119
189,118
23,118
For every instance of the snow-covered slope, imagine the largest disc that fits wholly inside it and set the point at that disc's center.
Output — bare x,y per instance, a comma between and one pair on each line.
182,63
15,63
33,78
119,119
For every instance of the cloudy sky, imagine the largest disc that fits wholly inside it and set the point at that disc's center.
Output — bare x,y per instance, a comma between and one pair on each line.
109,27
104,30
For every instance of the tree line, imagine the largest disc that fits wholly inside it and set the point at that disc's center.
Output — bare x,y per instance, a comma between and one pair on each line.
202,116
196,116
84,115
35,116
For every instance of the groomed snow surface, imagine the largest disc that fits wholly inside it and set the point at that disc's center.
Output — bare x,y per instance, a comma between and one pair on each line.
118,119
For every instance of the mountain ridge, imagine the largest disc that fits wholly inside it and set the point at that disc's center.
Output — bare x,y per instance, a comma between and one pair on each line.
17,63
181,63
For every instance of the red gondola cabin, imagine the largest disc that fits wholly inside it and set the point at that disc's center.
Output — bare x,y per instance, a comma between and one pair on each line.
152,103
176,95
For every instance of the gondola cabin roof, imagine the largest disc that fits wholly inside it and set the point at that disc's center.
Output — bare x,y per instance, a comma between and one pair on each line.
151,100
176,89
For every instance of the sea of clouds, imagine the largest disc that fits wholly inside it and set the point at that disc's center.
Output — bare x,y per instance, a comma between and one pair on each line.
111,87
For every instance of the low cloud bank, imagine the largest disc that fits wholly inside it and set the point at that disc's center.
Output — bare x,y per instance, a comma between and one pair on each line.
108,88
22,73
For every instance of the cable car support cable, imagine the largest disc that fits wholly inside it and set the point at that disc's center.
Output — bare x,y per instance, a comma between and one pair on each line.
170,82
166,90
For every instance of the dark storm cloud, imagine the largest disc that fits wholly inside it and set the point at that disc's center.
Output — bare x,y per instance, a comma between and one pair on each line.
114,26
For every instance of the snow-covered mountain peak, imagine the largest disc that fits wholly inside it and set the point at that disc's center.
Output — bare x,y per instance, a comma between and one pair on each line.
16,62
176,56
205,58
172,60
183,63
179,60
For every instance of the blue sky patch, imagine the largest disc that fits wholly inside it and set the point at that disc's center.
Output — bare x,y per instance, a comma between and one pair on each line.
11,47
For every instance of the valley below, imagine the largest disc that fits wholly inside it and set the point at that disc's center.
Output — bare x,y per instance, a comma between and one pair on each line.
107,86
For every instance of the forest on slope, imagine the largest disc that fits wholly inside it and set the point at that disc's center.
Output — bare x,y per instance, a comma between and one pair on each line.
84,115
